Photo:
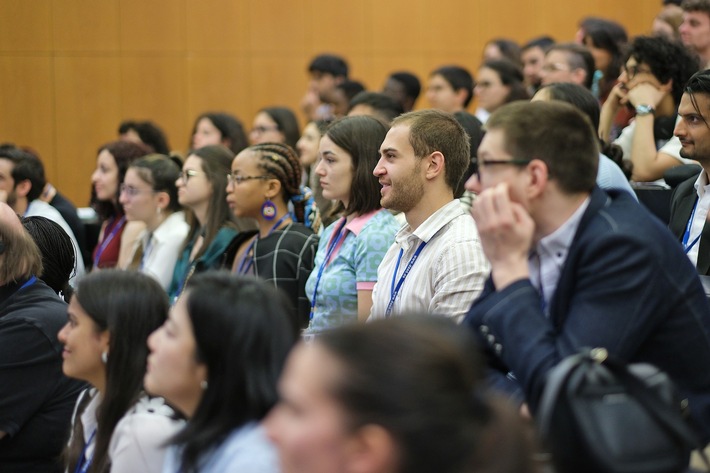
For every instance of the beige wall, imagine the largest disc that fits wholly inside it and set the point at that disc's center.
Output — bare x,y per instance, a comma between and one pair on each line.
71,70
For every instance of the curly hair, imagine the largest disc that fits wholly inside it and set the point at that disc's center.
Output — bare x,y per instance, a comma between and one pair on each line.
667,60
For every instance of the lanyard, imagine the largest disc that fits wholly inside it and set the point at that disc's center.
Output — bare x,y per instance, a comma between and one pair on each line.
248,257
102,247
334,240
686,236
29,282
394,291
84,463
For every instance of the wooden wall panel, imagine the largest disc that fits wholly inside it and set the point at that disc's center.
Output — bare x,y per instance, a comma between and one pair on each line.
71,70
25,26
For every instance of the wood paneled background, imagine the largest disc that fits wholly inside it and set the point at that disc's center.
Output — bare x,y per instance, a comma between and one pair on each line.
71,70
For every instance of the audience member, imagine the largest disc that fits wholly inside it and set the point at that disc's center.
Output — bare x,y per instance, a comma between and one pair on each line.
574,266
149,195
568,62
393,396
217,359
218,128
606,41
144,132
667,22
117,427
307,147
21,188
499,82
201,190
325,72
695,29
474,130
502,49
651,82
340,97
36,399
58,258
422,159
116,238
264,180
691,200
610,172
351,249
404,87
375,104
274,125
450,89
532,55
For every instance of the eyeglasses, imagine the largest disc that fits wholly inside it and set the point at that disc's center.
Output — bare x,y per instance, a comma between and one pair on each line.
233,178
263,129
186,174
131,191
480,163
632,71
555,67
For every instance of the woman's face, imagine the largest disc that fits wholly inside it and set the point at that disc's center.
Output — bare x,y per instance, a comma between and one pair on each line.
490,91
172,370
105,177
265,130
307,145
206,134
602,57
83,346
140,202
194,188
335,170
308,425
245,198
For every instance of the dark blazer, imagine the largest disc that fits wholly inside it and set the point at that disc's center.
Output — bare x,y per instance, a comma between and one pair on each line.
682,202
626,285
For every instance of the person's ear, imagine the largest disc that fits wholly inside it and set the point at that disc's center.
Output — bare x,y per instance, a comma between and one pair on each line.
23,188
163,200
371,448
667,87
273,188
435,165
539,177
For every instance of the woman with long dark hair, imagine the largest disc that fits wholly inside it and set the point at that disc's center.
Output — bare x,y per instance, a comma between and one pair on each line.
217,359
117,427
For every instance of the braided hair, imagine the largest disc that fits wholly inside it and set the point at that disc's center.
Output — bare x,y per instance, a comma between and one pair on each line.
58,254
281,162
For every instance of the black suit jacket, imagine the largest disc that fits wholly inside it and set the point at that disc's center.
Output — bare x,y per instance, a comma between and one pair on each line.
683,200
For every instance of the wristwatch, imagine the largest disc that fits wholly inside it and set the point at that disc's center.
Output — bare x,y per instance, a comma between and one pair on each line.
644,109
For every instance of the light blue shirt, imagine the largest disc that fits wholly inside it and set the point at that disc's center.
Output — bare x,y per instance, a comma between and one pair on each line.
610,176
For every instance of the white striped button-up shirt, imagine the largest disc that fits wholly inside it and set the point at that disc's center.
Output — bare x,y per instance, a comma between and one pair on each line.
447,276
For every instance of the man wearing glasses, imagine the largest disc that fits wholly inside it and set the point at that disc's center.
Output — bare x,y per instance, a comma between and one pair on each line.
573,266
568,62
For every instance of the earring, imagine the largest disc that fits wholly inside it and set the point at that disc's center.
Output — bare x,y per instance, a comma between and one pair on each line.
203,384
159,211
104,357
268,210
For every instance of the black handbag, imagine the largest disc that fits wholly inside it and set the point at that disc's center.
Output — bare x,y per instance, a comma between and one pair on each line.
603,416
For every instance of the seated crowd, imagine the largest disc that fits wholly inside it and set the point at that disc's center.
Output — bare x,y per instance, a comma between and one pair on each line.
387,290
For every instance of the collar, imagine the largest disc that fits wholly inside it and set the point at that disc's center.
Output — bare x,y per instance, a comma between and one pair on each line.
164,229
557,243
356,225
433,224
701,184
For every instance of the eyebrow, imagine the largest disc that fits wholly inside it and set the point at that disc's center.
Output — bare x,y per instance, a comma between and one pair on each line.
388,150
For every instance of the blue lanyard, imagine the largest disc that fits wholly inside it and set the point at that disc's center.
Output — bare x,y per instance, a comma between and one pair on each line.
247,261
334,240
29,282
102,247
394,291
84,464
686,235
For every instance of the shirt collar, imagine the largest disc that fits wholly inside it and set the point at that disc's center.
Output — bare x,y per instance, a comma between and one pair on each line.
433,224
557,243
701,184
356,225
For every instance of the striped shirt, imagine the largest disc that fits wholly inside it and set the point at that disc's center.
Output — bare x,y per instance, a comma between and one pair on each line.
448,274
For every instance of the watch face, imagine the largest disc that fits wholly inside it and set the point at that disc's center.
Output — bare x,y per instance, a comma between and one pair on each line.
644,109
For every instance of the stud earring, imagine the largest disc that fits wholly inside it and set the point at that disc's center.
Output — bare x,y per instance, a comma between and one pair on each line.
104,357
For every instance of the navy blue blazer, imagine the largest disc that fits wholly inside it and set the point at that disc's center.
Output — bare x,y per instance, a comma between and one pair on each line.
682,203
626,285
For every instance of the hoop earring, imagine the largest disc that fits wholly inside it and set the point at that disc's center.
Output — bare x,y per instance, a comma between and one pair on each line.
268,210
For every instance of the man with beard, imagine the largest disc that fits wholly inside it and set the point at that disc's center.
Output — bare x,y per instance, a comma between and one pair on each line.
436,263
690,201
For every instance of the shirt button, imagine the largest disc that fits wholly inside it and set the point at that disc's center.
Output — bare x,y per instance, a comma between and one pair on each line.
491,339
498,348
483,329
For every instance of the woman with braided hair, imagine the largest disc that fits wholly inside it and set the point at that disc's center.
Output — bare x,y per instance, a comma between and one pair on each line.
265,179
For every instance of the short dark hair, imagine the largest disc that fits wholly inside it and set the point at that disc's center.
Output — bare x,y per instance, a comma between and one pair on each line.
243,329
458,78
410,82
434,130
696,5
361,137
287,123
229,126
149,133
385,106
667,59
474,130
161,173
556,133
509,49
542,42
511,76
329,64
26,167
578,57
